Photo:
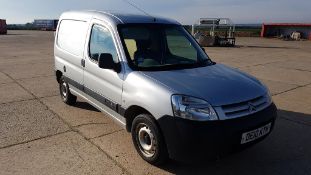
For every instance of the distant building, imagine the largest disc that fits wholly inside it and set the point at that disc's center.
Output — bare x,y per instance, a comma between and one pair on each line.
3,27
286,29
45,24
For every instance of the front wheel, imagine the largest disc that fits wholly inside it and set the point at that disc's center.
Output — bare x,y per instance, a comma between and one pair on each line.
148,140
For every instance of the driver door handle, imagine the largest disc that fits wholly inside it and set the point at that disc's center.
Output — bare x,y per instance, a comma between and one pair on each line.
83,62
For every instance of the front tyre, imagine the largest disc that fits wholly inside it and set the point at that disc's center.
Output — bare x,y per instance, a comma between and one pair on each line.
148,140
65,94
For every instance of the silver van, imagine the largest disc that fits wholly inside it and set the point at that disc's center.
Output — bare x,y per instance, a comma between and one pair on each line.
152,77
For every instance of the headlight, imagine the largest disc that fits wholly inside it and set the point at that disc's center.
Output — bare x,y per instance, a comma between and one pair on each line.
268,97
192,108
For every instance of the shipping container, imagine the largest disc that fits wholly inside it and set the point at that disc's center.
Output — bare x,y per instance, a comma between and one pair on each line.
3,28
45,24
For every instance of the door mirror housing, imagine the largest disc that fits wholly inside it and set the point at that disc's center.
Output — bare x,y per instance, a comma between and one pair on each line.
105,61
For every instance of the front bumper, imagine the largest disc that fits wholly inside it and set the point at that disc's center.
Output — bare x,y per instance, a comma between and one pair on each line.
188,140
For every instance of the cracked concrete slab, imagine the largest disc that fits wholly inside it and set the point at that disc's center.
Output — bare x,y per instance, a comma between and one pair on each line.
81,113
27,120
94,130
119,146
29,70
288,76
5,79
297,100
33,47
245,56
67,153
41,86
11,92
276,87
294,64
8,61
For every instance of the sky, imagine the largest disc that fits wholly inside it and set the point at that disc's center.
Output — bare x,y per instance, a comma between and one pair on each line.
184,11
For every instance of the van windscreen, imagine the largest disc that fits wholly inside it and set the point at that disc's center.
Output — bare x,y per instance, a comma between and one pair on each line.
161,46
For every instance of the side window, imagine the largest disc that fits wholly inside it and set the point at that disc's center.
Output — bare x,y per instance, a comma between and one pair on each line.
101,42
179,45
71,36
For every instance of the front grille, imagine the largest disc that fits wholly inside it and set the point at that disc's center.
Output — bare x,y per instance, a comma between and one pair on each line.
246,107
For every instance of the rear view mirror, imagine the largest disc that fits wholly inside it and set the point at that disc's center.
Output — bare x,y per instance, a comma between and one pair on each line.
106,62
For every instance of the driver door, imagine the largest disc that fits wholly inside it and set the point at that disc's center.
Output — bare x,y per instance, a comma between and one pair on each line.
104,85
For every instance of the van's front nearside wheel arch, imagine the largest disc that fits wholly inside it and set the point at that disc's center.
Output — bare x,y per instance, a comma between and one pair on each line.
148,139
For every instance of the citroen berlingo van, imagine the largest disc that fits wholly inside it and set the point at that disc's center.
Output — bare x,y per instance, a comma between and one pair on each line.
152,77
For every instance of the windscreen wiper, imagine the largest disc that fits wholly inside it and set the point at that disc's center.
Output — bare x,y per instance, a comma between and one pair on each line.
205,61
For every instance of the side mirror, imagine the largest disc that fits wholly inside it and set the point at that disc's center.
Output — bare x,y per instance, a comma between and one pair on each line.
105,61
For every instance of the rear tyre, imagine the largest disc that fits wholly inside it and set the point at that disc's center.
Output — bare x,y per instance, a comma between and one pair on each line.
148,140
65,94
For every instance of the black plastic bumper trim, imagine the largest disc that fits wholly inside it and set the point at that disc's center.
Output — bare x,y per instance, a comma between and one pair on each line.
188,140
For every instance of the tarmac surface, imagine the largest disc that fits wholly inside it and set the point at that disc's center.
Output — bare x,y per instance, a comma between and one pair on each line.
39,134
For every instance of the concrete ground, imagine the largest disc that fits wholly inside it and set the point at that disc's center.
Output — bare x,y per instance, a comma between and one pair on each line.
41,135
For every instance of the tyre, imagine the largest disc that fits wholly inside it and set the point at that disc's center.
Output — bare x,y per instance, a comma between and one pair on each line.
148,140
65,94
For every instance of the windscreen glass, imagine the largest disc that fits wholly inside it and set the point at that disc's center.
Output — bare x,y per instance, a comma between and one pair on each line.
156,46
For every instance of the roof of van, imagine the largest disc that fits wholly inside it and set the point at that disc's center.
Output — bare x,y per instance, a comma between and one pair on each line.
116,18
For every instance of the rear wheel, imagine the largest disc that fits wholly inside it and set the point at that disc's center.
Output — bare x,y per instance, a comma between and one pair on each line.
148,140
65,94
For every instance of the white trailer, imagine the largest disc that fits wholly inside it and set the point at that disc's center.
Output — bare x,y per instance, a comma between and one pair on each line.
220,32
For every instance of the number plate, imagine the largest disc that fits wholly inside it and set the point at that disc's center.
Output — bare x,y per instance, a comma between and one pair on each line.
255,134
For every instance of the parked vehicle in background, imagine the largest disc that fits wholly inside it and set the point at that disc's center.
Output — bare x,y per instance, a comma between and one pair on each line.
151,76
45,24
3,27
285,30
